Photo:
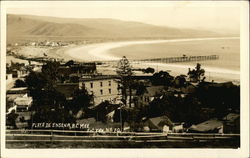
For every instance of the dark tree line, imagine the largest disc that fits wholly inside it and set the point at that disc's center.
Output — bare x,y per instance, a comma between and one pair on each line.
49,104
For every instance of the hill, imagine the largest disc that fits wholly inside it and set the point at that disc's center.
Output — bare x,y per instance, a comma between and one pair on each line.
26,27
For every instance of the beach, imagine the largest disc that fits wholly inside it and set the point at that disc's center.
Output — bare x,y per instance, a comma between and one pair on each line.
227,68
101,51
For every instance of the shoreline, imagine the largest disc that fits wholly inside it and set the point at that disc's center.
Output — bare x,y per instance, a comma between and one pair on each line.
99,52
92,52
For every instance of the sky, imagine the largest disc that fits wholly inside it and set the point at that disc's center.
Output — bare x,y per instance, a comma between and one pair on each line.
205,15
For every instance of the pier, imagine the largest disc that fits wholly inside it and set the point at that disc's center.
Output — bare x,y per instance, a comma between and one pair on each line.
169,59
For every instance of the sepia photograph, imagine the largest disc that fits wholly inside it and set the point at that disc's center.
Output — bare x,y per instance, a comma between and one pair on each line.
125,75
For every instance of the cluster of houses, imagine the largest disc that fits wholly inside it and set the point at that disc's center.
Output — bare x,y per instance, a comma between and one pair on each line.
105,88
41,43
15,70
48,43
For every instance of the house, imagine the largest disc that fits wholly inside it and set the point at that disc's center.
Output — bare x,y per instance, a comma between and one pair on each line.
149,95
19,90
22,125
22,103
23,118
79,69
232,123
188,89
158,124
210,126
103,88
16,73
177,127
105,111
183,91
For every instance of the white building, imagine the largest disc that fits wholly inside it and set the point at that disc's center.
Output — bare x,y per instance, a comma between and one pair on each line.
103,88
22,103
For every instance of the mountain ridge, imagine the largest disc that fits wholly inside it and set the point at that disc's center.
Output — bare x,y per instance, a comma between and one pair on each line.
25,26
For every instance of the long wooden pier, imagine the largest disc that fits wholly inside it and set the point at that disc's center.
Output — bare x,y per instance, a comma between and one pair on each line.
169,59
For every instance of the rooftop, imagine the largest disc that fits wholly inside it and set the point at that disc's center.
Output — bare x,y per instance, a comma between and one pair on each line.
231,117
209,125
18,89
99,77
23,101
153,90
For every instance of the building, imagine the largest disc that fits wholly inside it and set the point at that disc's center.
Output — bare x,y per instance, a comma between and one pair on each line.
149,95
103,88
19,90
23,118
105,112
210,126
78,69
177,127
158,124
22,103
232,123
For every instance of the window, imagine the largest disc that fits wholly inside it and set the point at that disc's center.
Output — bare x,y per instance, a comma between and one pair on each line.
109,83
91,85
109,91
101,84
101,91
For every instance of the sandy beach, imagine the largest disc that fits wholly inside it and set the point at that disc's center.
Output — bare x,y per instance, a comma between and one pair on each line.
101,52
95,52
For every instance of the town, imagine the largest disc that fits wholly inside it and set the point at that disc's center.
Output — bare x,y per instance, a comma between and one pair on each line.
56,92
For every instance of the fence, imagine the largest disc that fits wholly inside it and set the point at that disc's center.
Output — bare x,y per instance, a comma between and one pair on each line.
68,135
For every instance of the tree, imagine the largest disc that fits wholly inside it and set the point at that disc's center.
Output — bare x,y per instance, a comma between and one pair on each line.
162,78
124,72
50,71
35,81
11,119
20,83
69,63
180,81
197,74
121,115
149,70
81,100
139,87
